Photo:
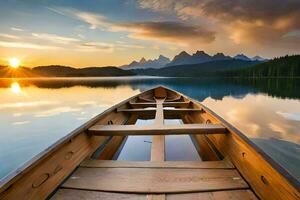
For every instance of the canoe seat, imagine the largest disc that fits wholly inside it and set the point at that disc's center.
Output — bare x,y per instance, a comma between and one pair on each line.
157,129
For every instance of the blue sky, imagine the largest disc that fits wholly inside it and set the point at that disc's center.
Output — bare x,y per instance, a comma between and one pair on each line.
115,32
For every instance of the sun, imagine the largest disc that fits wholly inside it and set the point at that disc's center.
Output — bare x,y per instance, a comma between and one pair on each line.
14,62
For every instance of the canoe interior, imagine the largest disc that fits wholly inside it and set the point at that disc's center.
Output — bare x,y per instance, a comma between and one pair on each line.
81,164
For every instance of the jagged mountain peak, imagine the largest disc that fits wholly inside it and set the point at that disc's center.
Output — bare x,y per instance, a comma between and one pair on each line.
219,54
183,53
143,60
258,58
162,57
161,61
200,53
242,57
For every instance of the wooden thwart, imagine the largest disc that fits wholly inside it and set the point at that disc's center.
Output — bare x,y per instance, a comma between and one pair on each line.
165,104
157,130
223,164
152,180
167,110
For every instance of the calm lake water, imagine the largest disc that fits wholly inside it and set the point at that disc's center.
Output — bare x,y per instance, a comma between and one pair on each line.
34,113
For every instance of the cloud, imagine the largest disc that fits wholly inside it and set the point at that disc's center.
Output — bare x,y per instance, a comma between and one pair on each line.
252,22
8,36
56,111
175,32
166,31
55,38
94,20
16,29
26,45
95,46
21,123
246,10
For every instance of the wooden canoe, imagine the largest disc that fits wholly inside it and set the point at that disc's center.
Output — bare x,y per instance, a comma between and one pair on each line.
80,165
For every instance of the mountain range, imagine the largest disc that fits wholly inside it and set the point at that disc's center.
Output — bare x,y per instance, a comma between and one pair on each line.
183,58
62,71
161,61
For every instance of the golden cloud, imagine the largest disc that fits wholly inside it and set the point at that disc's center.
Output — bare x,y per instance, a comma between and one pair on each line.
252,22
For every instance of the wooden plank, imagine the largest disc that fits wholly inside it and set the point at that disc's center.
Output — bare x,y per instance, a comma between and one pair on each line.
223,164
156,197
205,151
152,111
220,195
159,115
176,97
160,92
111,148
71,194
177,104
158,148
157,130
39,182
137,110
114,144
158,144
151,180
165,104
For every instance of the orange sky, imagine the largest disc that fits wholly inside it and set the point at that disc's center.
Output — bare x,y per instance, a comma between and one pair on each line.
117,32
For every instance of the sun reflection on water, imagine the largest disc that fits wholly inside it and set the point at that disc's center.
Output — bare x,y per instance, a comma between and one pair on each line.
15,87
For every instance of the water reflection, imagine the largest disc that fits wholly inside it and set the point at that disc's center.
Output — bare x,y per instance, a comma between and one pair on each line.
15,87
34,113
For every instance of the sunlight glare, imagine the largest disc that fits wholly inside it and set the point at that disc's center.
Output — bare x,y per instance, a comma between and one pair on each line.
15,88
14,62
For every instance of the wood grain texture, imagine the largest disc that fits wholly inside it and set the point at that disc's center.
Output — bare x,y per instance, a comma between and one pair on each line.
39,182
111,148
156,197
223,164
158,143
165,104
145,180
205,150
151,111
220,195
158,148
71,194
113,130
160,92
114,144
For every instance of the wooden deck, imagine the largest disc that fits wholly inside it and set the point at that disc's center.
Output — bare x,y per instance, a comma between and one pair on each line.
115,179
